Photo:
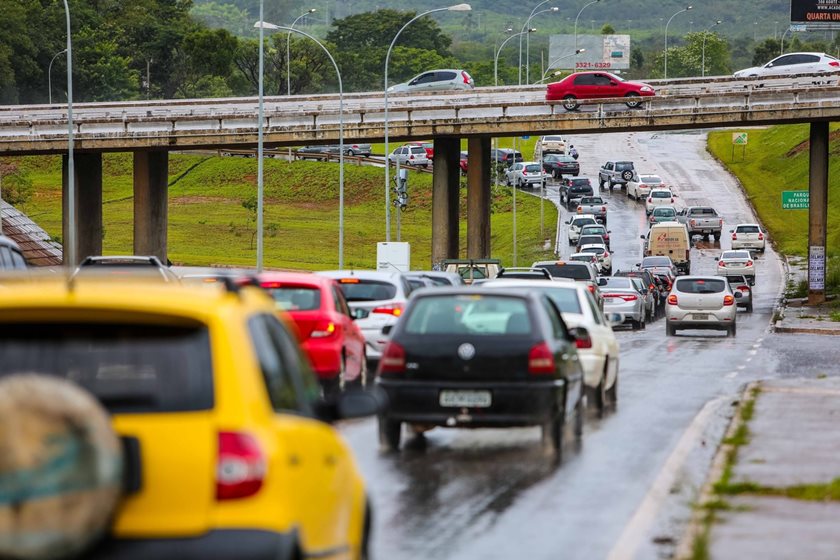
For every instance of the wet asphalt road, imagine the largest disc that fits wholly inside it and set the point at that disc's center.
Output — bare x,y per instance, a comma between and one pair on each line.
489,494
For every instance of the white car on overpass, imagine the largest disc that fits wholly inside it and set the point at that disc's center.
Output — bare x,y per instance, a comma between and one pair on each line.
793,63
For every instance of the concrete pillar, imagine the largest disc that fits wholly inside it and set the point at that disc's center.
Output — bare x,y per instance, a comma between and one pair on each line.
817,211
88,171
478,199
445,199
151,176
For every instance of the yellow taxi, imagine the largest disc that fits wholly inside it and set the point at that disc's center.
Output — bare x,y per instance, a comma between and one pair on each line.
232,454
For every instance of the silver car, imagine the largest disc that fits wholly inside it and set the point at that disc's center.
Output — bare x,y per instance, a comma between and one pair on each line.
436,80
701,302
410,155
525,174
622,296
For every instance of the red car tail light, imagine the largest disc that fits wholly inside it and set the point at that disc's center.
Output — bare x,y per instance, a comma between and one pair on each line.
692,223
411,156
761,237
394,309
393,359
743,288
591,288
728,300
720,222
603,208
241,466
721,264
323,329
834,63
466,77
584,340
650,200
672,299
672,201
625,297
749,263
734,236
541,359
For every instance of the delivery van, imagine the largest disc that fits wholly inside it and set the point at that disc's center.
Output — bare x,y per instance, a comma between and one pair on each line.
670,239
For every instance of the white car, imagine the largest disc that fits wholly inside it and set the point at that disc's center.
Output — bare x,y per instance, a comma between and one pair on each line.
436,80
732,263
549,145
410,155
577,223
603,255
525,174
590,258
793,63
659,197
598,351
748,236
639,187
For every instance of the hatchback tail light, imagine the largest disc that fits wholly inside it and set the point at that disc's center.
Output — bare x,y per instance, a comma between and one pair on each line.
692,223
749,263
411,156
466,77
541,360
728,300
393,359
720,223
650,200
834,63
743,288
721,264
580,210
323,329
583,340
672,201
761,237
591,288
625,297
603,208
393,309
734,236
241,466
672,299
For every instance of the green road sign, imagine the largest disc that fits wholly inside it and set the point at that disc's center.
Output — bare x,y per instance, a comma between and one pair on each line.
739,138
796,200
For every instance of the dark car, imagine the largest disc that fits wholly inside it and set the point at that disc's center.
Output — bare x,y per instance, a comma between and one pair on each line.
505,156
473,358
558,165
11,257
573,189
596,85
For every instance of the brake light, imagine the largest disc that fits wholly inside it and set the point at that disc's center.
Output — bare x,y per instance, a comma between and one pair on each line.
728,300
323,329
761,237
393,359
580,210
241,466
603,208
744,288
834,63
541,359
734,236
650,200
692,223
591,288
625,297
394,309
749,263
466,77
584,340
672,299
672,201
720,222
651,287
411,156
721,264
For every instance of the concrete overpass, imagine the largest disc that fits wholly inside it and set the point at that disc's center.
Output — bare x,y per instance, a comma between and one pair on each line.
151,129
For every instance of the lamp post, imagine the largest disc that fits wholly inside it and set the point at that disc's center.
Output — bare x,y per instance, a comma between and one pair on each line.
782,45
558,59
703,63
528,43
265,25
49,73
70,242
666,36
454,8
288,49
578,17
524,27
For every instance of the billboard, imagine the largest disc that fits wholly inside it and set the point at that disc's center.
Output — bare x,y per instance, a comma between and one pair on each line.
600,52
815,14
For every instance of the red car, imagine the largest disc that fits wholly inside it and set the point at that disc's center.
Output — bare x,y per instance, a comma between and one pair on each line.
428,146
462,163
327,330
596,85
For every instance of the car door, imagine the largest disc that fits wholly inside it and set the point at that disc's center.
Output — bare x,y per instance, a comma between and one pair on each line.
354,340
443,80
423,81
807,63
782,65
604,86
565,354
584,86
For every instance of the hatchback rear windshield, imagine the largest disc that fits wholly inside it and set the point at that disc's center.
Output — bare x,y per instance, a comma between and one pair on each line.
567,270
664,211
584,188
473,314
652,179
656,261
128,367
532,168
701,286
589,239
418,150
618,282
296,298
357,289
747,229
580,222
660,194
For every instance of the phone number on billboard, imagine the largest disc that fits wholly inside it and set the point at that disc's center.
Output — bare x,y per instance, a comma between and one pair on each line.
593,65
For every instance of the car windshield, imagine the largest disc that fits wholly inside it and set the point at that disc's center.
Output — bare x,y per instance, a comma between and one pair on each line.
473,314
660,194
735,255
565,270
700,285
652,179
418,150
358,289
747,229
295,298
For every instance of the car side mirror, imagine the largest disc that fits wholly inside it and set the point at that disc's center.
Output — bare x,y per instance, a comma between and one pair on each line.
614,319
359,313
738,295
769,65
641,237
602,281
717,258
350,404
613,83
637,265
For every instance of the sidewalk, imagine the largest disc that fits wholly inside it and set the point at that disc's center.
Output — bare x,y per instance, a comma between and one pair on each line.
820,319
775,487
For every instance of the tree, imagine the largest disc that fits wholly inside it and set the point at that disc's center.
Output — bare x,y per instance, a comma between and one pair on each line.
766,51
607,29
685,60
16,185
311,69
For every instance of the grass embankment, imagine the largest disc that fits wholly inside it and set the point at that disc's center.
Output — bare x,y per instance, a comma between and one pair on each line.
208,224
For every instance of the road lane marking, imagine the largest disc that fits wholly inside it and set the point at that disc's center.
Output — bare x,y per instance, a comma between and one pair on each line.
731,375
636,530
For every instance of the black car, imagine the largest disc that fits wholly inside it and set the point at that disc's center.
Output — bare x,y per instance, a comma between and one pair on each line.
505,156
11,257
573,189
473,358
558,165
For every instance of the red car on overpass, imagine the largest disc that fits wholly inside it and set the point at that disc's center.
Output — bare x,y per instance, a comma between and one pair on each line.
596,85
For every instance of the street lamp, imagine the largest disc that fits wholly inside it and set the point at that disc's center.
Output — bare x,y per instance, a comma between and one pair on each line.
49,73
288,47
70,245
666,36
265,25
454,8
528,43
703,63
556,60
525,26
782,45
576,20
499,50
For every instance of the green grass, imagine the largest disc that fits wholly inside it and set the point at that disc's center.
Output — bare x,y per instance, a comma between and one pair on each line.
208,225
776,160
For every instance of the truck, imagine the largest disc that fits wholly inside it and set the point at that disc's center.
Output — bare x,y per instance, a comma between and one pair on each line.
594,205
616,173
701,220
473,269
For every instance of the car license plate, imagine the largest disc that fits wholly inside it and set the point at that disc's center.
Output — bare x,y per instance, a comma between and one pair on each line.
700,316
608,300
705,231
470,399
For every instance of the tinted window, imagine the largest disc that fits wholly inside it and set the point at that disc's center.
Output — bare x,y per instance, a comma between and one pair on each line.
735,255
418,150
296,298
703,212
580,222
129,368
747,229
469,314
584,80
623,165
425,78
652,179
565,299
700,286
568,270
552,139
275,370
660,194
601,80
784,60
532,168
445,76
656,261
664,211
618,282
589,239
356,289
592,250
416,283
579,182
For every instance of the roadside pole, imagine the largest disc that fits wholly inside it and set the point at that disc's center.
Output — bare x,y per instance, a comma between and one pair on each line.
817,211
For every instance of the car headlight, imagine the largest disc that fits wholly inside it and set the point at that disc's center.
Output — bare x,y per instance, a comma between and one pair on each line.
646,88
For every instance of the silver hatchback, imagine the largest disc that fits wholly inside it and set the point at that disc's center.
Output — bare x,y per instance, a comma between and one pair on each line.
436,80
701,302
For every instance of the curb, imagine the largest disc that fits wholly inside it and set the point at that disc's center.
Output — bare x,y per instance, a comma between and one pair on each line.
806,330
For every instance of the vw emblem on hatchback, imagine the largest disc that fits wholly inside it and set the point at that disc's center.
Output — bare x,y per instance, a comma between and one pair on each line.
466,351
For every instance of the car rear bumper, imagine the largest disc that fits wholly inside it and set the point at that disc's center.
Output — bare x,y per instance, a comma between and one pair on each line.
715,318
631,311
757,245
242,544
526,403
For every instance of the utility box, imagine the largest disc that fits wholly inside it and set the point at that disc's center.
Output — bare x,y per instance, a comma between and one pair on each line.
393,256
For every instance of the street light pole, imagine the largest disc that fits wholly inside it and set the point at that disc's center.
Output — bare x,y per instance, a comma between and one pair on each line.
260,189
666,36
703,63
558,59
49,73
70,242
528,44
524,27
288,49
782,46
576,21
454,8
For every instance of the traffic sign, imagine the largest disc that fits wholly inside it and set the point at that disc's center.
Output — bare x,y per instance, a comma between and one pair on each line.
796,200
739,138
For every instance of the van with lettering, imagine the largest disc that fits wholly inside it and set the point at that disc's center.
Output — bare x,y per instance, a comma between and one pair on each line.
669,239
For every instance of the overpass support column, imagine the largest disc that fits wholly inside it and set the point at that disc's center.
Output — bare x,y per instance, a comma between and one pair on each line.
88,171
446,186
478,199
151,177
817,211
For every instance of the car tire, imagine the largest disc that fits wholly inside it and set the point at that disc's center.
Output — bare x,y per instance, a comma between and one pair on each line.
570,103
627,175
577,424
390,433
633,100
351,153
749,307
635,325
552,436
670,330
612,392
717,237
364,552
599,393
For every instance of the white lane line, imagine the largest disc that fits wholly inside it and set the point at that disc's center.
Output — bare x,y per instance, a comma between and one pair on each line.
741,368
752,352
731,375
636,530
749,359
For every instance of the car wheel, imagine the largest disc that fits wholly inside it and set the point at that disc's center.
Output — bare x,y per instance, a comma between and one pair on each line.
635,325
351,153
578,421
627,175
670,330
733,329
599,393
552,436
633,100
749,307
644,324
717,237
570,103
390,432
612,392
